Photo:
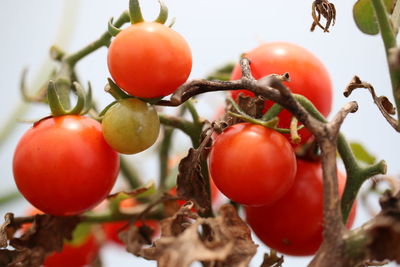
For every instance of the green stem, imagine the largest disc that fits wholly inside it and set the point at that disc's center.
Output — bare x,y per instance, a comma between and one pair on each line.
110,217
356,174
272,112
389,41
104,40
193,112
9,197
185,126
163,155
130,174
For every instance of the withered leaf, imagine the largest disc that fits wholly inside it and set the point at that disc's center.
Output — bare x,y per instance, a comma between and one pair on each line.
136,237
387,105
191,184
384,239
221,241
7,230
46,234
272,260
252,106
382,102
384,234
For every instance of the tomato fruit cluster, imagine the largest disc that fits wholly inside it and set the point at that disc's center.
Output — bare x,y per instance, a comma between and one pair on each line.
308,76
252,164
131,126
63,165
149,60
293,224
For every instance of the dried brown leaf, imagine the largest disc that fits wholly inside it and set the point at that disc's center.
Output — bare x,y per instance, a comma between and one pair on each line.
7,230
384,233
191,184
252,106
385,239
47,234
136,237
186,238
327,10
272,260
382,102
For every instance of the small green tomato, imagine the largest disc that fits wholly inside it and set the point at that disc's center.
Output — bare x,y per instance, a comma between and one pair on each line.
131,126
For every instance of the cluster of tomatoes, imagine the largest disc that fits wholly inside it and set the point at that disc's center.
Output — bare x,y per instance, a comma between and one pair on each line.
257,166
68,164
65,165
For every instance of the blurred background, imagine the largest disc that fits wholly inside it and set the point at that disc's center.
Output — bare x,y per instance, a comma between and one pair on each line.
218,32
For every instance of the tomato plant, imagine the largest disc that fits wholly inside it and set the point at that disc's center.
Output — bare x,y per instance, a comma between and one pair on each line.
293,224
131,126
149,60
252,164
308,76
63,165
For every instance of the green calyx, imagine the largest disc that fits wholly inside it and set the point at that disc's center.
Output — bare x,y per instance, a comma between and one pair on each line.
113,89
56,100
136,16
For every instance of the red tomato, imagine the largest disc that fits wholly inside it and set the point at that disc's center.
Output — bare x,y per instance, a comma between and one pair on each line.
308,76
63,166
74,255
112,229
149,60
252,164
293,224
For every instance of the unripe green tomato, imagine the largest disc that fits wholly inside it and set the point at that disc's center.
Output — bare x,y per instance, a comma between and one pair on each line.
131,126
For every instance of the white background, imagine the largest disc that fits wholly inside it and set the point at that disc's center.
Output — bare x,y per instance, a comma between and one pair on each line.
218,32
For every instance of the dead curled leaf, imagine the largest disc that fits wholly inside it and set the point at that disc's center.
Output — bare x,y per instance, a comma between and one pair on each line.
46,234
383,103
186,238
191,183
327,10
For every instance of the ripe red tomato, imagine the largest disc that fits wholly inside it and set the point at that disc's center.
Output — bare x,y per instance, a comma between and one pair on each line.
308,76
293,224
112,229
74,255
63,166
252,164
149,60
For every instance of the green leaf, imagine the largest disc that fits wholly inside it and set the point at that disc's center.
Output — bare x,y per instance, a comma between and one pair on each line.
365,18
361,153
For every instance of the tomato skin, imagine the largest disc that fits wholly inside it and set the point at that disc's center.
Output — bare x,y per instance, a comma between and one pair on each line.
149,60
74,255
308,76
251,164
131,126
63,166
293,224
